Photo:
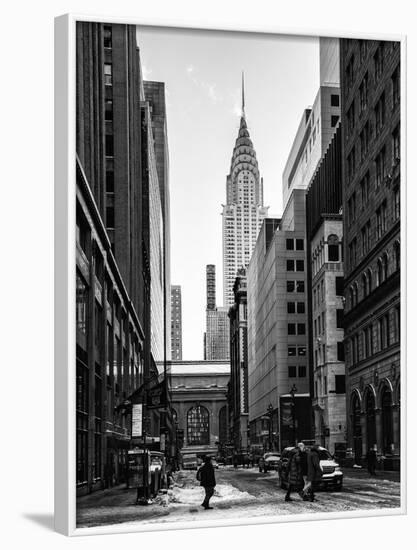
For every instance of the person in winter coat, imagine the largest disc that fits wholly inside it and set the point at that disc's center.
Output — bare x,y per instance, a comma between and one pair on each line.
207,480
295,471
314,472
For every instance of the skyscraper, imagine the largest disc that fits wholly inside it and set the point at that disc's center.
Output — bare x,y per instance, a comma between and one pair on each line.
244,211
176,323
217,337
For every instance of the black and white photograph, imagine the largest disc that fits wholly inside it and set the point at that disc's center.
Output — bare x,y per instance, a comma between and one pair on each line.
237,276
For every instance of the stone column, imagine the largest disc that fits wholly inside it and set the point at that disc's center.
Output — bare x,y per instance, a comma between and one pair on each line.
378,430
364,434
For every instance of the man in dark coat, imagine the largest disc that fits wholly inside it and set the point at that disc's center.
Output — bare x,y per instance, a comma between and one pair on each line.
295,471
208,481
314,472
371,460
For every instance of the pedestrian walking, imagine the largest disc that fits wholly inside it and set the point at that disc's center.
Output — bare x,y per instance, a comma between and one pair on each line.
295,476
371,460
314,472
207,479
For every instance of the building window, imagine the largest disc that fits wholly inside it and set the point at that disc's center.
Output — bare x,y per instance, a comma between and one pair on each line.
110,217
364,141
381,220
340,351
380,114
334,120
363,94
290,307
396,87
81,309
198,426
290,244
301,351
365,184
108,74
350,115
333,252
302,371
300,286
366,237
396,145
380,163
301,307
107,37
292,351
108,109
334,100
339,318
290,265
379,62
82,422
350,72
291,328
351,164
340,383
290,286
109,181
352,252
299,244
292,372
339,286
109,146
300,265
397,255
301,328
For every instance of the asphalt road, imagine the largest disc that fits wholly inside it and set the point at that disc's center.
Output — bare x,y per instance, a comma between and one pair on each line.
240,494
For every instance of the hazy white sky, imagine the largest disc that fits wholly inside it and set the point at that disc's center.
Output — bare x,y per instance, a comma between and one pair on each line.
202,73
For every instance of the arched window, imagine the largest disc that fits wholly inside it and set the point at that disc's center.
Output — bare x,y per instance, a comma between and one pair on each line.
397,255
355,293
223,426
385,266
352,303
198,426
380,272
365,285
369,274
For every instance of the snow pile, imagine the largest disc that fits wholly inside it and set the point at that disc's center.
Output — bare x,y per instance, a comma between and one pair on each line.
194,495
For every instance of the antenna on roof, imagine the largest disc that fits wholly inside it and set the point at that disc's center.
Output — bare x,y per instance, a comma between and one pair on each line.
243,94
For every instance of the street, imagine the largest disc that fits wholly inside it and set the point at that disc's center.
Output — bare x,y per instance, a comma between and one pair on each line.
239,493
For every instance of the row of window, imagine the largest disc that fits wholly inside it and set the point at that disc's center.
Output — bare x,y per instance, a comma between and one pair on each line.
321,388
371,279
301,369
376,337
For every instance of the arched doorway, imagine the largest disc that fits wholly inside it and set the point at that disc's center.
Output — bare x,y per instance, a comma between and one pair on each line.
356,428
370,419
386,409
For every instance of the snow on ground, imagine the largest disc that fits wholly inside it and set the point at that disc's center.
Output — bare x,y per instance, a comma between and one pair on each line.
194,495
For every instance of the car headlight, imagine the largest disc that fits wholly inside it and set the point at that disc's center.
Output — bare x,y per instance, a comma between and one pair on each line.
337,469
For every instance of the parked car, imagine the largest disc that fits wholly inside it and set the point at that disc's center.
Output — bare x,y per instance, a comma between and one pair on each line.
269,461
189,462
332,474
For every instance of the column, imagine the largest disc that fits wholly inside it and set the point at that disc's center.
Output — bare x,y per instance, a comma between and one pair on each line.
364,434
378,430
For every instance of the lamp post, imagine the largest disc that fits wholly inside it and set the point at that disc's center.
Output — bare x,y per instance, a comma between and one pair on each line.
270,411
293,391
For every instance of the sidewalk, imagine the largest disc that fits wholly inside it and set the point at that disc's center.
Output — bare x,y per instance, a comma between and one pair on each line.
362,473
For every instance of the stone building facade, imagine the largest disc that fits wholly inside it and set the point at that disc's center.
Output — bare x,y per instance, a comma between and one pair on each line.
198,390
371,152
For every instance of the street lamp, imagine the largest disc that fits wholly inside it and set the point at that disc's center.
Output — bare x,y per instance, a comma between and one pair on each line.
270,411
293,391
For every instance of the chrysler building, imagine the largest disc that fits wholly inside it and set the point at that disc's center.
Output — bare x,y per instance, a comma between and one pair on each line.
243,212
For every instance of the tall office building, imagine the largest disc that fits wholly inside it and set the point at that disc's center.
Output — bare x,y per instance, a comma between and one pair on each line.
244,211
370,99
216,337
176,323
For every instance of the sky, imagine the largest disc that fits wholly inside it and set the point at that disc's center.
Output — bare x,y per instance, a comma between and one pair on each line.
202,73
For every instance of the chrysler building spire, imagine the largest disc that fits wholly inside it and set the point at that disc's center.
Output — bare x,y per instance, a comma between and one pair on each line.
244,211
